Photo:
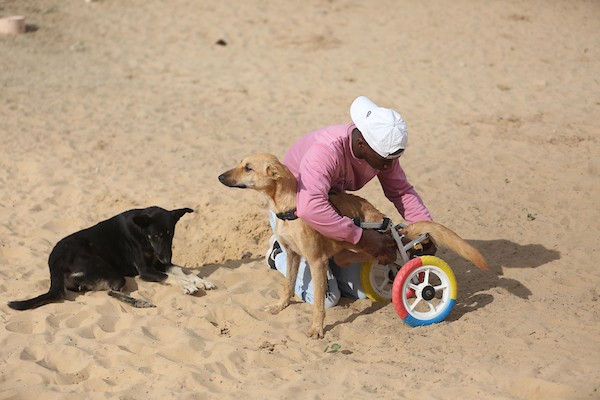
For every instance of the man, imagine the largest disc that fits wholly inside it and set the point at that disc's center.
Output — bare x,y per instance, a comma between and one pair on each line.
345,158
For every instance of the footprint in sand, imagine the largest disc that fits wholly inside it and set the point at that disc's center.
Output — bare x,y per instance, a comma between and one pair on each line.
76,321
23,326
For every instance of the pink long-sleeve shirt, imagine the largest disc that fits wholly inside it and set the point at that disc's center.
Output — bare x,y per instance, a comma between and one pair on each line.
323,160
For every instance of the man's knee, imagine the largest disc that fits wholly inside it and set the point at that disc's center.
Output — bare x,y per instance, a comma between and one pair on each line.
332,292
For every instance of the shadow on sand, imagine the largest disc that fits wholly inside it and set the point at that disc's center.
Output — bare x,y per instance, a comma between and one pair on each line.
501,254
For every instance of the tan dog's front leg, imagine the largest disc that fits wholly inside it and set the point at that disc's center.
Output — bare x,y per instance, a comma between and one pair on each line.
318,271
292,265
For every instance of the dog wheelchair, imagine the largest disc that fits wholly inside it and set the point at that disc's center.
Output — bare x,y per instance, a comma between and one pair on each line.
421,286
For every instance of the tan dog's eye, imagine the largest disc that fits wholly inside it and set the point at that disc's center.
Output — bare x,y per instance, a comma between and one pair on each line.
247,168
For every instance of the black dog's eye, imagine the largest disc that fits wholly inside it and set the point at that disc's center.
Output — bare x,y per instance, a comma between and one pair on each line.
247,167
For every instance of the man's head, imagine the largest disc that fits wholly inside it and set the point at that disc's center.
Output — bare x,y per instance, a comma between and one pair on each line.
383,129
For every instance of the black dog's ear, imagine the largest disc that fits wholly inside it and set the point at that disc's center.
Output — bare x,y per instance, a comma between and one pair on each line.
180,212
142,220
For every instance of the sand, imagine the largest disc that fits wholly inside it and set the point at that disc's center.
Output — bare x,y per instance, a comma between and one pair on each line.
110,105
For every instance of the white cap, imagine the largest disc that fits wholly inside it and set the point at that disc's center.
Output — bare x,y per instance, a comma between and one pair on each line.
383,128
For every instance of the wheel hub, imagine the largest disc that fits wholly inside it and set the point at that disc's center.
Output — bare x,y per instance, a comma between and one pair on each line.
391,275
428,292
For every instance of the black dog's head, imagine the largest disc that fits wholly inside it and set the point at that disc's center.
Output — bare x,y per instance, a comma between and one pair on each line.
158,226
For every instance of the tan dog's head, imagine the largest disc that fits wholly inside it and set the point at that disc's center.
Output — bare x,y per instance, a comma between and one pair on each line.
258,172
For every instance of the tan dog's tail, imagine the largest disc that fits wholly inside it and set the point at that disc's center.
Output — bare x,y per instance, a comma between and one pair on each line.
445,237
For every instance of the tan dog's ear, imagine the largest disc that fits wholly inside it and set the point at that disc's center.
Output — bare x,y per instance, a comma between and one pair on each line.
273,172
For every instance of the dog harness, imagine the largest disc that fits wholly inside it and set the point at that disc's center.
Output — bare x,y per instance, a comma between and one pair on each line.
288,215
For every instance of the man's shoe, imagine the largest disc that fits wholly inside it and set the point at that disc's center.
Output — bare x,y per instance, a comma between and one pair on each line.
274,249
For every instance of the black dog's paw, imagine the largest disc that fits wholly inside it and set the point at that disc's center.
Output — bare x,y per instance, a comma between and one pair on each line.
137,303
142,304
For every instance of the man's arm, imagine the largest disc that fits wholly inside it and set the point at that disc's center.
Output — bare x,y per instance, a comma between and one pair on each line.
317,170
404,196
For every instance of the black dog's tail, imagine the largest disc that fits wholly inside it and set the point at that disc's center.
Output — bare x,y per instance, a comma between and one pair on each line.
55,293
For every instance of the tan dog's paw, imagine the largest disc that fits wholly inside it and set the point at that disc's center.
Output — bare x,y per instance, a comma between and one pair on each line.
315,332
275,309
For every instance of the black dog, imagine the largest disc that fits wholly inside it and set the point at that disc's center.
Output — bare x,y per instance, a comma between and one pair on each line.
136,242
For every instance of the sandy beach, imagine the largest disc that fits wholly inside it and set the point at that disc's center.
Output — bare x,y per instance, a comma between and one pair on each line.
110,105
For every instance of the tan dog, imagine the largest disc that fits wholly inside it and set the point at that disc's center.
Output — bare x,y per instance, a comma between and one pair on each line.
266,174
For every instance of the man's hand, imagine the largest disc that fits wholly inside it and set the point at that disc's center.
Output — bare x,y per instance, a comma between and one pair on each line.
379,245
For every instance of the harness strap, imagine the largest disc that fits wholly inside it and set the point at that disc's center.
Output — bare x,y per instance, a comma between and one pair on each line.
288,215
380,226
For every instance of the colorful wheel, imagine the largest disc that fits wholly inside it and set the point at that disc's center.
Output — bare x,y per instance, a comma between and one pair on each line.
424,291
377,280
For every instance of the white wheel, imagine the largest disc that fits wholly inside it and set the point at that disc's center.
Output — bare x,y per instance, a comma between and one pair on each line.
424,291
377,280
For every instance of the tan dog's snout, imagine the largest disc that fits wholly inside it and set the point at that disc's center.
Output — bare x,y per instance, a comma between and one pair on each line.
227,179
236,177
